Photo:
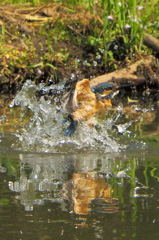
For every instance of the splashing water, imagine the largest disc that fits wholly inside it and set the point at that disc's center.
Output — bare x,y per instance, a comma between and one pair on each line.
45,130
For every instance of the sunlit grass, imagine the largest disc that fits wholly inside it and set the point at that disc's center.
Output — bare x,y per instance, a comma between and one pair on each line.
127,19
117,27
33,2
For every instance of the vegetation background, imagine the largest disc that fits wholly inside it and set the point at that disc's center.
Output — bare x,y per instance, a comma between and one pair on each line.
48,41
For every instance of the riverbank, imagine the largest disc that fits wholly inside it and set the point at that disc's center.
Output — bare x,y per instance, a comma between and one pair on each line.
51,42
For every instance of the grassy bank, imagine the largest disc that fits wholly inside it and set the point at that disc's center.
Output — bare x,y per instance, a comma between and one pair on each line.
45,40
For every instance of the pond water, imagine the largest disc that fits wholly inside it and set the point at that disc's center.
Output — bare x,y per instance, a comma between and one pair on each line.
101,183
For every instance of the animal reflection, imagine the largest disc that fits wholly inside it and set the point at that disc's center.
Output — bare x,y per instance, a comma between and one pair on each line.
85,187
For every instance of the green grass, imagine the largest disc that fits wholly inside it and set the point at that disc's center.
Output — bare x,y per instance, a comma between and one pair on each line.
127,20
117,28
34,2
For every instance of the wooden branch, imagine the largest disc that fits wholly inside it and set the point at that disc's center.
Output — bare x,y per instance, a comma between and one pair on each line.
151,42
125,73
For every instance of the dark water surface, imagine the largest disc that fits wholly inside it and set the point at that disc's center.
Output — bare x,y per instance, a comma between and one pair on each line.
81,196
99,184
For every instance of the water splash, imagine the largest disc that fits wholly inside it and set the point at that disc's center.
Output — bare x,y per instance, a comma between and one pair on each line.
44,131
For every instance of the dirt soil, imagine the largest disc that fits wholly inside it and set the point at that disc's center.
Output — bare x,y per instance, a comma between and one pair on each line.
49,44
32,49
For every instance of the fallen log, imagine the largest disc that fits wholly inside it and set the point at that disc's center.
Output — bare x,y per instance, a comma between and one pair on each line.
151,42
127,74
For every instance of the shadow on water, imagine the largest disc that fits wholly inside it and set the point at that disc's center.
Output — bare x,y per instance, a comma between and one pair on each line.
102,183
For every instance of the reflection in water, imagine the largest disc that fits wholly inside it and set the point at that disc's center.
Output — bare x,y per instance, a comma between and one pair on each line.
84,187
79,196
74,178
92,190
81,180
